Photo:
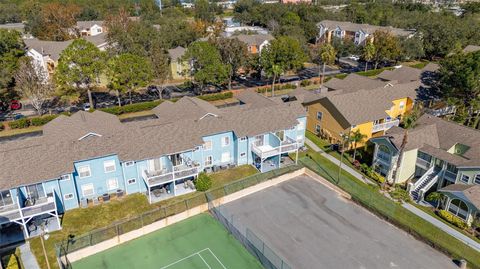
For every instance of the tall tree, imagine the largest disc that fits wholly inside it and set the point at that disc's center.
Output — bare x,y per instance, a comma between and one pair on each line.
356,138
204,11
79,67
128,72
207,66
368,53
234,54
11,49
32,83
56,22
386,45
327,55
160,65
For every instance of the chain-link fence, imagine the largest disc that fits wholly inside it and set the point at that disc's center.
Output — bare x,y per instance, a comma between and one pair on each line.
118,228
256,246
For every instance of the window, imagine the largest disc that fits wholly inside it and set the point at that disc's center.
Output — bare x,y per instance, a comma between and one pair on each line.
130,163
353,127
465,178
243,154
225,157
68,196
301,125
259,140
225,141
84,171
5,198
458,208
112,184
477,179
208,161
317,128
131,181
35,191
402,104
65,177
88,190
109,166
208,145
319,115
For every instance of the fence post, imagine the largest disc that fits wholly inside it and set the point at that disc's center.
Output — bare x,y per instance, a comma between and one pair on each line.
186,204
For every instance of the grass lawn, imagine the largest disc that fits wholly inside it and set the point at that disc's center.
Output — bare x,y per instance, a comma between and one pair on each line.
369,197
135,114
11,132
430,211
198,242
83,220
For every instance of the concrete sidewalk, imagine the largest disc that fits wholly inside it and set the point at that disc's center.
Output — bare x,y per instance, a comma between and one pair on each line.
444,227
334,160
28,259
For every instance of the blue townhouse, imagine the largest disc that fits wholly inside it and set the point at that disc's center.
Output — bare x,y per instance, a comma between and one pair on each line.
89,158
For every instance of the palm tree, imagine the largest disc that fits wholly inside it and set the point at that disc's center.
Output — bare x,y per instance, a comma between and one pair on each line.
435,197
409,122
368,53
327,55
356,137
276,71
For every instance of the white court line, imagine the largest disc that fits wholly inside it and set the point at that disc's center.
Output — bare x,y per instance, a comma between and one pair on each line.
184,258
217,258
204,261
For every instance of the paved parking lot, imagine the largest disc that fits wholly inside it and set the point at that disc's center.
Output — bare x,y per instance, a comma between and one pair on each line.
310,226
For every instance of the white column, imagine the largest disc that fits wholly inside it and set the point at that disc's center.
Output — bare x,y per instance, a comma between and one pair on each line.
149,194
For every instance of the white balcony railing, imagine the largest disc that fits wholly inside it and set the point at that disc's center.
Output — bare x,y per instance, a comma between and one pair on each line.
14,212
385,126
423,163
154,178
269,151
451,176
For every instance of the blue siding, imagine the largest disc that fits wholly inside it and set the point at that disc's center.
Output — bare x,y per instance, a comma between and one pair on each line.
68,187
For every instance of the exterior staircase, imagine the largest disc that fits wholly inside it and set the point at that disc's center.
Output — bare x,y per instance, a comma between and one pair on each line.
418,189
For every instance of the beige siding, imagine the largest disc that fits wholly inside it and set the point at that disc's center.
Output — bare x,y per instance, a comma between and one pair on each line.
407,169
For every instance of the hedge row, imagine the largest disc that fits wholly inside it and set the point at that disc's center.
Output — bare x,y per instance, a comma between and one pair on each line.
216,96
26,122
118,110
449,217
277,88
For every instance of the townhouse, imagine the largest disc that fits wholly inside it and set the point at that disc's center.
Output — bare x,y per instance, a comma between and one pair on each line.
179,68
436,155
89,158
255,42
359,34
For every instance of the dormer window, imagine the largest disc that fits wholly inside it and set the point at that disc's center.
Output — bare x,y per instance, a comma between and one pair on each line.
91,134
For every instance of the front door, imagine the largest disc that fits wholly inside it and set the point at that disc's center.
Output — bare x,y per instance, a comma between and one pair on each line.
259,140
176,159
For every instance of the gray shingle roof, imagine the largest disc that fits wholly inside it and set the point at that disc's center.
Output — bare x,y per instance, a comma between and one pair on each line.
51,48
406,73
436,136
176,53
354,82
471,192
255,39
180,127
83,25
367,28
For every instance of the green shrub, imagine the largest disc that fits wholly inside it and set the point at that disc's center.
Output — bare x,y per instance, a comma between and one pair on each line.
305,83
117,110
19,124
203,182
39,121
400,194
11,262
216,96
449,217
2,127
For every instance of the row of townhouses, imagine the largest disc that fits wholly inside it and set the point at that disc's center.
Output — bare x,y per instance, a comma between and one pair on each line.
358,33
87,158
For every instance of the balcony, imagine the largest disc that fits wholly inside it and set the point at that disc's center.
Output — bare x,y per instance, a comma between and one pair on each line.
450,176
385,126
266,151
154,178
423,163
40,206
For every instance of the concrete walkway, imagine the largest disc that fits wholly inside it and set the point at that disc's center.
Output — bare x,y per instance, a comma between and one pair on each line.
336,161
28,259
444,227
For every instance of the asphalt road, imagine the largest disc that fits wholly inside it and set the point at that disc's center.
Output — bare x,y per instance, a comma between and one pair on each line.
310,226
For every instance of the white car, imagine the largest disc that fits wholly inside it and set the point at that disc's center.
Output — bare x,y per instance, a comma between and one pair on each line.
354,57
86,106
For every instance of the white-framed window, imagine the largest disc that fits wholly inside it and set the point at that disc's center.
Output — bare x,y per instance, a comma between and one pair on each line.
319,115
225,141
68,196
243,154
131,181
402,105
208,160
112,184
65,177
243,138
317,128
477,179
208,145
84,171
301,125
109,166
225,157
88,190
465,178
129,163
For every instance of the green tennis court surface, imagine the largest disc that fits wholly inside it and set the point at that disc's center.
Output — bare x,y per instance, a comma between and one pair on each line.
198,242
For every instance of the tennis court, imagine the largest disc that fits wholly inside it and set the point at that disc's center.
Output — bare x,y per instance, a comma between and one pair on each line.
198,242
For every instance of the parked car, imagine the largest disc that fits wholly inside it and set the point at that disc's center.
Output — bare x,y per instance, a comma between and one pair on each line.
15,105
86,106
354,57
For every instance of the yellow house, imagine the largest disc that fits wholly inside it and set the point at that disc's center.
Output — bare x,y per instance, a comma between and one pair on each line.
372,112
179,68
